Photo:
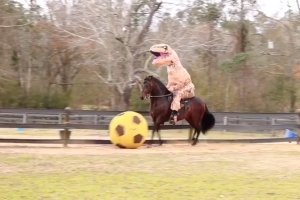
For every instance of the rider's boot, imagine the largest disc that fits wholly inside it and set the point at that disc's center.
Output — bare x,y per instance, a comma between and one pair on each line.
174,115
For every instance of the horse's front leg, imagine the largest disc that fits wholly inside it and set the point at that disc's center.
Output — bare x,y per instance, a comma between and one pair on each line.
156,128
160,121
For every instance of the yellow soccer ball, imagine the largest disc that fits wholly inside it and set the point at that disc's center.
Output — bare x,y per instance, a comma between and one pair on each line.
128,130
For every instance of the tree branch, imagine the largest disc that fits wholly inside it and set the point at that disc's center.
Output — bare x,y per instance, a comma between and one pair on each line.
148,23
16,25
82,37
141,70
147,62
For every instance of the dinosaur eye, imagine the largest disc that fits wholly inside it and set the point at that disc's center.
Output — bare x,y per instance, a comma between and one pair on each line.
165,47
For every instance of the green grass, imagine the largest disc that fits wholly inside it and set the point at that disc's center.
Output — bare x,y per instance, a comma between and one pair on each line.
170,176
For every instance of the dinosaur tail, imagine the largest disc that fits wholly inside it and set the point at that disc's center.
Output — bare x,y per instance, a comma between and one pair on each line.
208,121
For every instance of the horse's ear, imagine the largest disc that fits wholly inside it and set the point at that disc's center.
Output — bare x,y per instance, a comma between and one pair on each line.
148,78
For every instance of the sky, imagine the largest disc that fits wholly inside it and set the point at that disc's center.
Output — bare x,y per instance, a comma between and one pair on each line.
269,7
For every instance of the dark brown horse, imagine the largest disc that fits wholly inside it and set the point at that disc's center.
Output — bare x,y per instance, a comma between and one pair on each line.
193,110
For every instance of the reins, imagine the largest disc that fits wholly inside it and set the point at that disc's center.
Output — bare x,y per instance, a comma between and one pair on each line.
157,96
165,95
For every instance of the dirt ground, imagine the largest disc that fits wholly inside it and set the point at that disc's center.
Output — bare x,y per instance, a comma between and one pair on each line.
167,148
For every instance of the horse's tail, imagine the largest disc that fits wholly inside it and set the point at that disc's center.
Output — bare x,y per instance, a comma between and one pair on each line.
208,121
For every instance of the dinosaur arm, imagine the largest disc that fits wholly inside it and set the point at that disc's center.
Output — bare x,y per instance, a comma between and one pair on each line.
170,88
174,87
178,86
184,79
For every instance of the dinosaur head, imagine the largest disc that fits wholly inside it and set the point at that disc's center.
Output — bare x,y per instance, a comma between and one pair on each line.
164,55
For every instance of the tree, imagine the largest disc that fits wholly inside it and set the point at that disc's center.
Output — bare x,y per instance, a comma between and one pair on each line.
117,59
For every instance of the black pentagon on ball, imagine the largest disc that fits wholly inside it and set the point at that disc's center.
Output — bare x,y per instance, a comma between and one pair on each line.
120,146
138,138
120,130
136,120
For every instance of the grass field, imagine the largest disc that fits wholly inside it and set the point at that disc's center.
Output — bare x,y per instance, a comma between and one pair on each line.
204,172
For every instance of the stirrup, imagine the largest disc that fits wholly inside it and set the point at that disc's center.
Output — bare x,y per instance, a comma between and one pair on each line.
173,120
173,117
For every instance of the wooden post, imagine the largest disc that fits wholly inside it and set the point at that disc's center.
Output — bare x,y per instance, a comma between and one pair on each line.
66,133
225,123
95,119
60,121
181,123
24,118
273,122
298,129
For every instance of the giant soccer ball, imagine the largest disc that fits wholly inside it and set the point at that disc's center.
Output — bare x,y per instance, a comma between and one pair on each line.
128,130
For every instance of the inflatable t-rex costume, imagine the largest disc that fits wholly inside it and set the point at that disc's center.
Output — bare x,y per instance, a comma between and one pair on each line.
179,79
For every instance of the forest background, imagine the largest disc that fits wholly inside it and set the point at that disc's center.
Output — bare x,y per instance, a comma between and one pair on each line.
93,54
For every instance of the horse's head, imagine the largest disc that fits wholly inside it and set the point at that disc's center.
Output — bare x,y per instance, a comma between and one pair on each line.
147,88
152,87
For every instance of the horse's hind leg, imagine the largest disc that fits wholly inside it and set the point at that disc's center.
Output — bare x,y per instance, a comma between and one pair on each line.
152,137
193,136
196,137
197,130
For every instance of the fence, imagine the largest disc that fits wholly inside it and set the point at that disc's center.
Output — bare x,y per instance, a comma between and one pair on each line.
99,120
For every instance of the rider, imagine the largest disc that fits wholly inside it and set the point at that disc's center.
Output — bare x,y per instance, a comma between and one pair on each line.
179,79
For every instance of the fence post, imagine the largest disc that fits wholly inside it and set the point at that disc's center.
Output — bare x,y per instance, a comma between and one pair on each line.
66,133
95,119
24,118
273,122
180,130
298,129
225,123
60,121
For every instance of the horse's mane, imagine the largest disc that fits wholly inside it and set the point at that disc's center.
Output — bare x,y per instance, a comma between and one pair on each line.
160,84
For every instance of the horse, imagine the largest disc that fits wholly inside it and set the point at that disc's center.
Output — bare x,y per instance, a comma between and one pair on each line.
193,110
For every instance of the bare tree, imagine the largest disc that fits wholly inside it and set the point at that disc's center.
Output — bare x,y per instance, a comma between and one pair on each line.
115,32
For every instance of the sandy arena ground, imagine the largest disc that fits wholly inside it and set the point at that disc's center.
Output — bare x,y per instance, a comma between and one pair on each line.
167,148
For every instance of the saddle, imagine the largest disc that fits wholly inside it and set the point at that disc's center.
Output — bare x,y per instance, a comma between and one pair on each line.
184,103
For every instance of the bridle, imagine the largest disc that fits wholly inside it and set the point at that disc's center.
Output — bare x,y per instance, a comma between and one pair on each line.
148,96
156,96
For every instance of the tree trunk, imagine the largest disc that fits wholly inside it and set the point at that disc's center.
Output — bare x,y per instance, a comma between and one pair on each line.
227,94
125,99
121,102
113,98
293,97
209,63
